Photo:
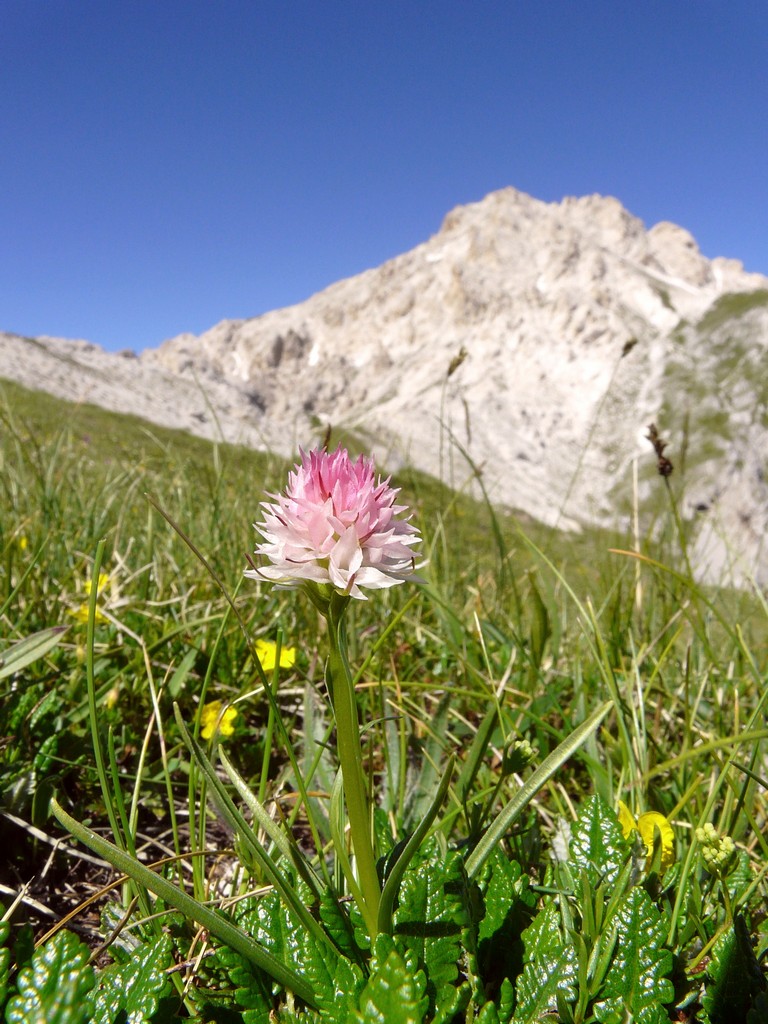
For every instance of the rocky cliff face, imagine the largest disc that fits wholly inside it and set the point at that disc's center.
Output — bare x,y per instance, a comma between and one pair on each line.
543,338
539,338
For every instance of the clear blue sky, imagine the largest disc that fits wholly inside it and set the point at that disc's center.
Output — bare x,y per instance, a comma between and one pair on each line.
170,163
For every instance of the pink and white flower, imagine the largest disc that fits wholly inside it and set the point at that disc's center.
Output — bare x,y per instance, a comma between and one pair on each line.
336,525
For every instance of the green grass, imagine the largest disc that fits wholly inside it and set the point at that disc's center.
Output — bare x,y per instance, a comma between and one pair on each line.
731,306
529,626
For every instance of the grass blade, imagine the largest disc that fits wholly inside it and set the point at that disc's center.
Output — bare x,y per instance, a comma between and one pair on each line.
529,789
398,869
213,922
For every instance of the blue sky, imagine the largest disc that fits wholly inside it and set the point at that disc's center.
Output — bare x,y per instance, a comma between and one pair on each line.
170,163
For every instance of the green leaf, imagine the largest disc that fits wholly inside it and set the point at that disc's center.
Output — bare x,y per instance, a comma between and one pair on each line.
177,680
213,921
272,928
421,793
506,1001
136,987
548,767
429,922
758,1013
597,843
551,968
126,942
540,628
636,985
508,905
253,988
409,850
476,754
338,926
738,986
395,992
337,985
55,986
23,653
335,980
5,960
488,1015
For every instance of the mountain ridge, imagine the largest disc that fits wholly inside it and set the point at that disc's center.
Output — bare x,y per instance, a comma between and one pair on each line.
540,338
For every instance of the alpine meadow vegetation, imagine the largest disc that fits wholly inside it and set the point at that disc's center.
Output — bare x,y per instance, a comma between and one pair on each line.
395,756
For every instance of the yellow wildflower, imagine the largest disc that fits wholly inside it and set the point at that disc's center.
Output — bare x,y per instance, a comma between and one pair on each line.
22,542
81,613
213,720
102,583
267,652
648,825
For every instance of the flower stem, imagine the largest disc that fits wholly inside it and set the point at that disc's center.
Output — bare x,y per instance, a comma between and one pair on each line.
351,761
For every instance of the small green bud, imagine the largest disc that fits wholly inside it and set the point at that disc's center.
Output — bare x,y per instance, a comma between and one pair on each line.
518,755
717,852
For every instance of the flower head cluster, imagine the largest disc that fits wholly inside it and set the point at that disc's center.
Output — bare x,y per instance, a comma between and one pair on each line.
718,852
648,825
337,526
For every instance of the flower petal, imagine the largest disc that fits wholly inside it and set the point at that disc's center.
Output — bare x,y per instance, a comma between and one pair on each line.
336,524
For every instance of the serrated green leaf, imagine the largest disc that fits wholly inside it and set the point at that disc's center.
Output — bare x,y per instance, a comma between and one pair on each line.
508,905
5,961
253,989
54,988
506,1001
336,981
758,1012
488,1015
395,992
269,922
429,921
636,985
737,980
125,941
338,926
348,984
49,705
135,988
272,928
551,968
286,1017
741,877
338,985
597,843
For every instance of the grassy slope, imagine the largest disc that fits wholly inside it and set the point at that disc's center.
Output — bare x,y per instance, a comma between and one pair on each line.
549,635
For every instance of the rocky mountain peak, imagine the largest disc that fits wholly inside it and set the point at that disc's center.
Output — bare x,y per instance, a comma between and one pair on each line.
574,321
576,327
